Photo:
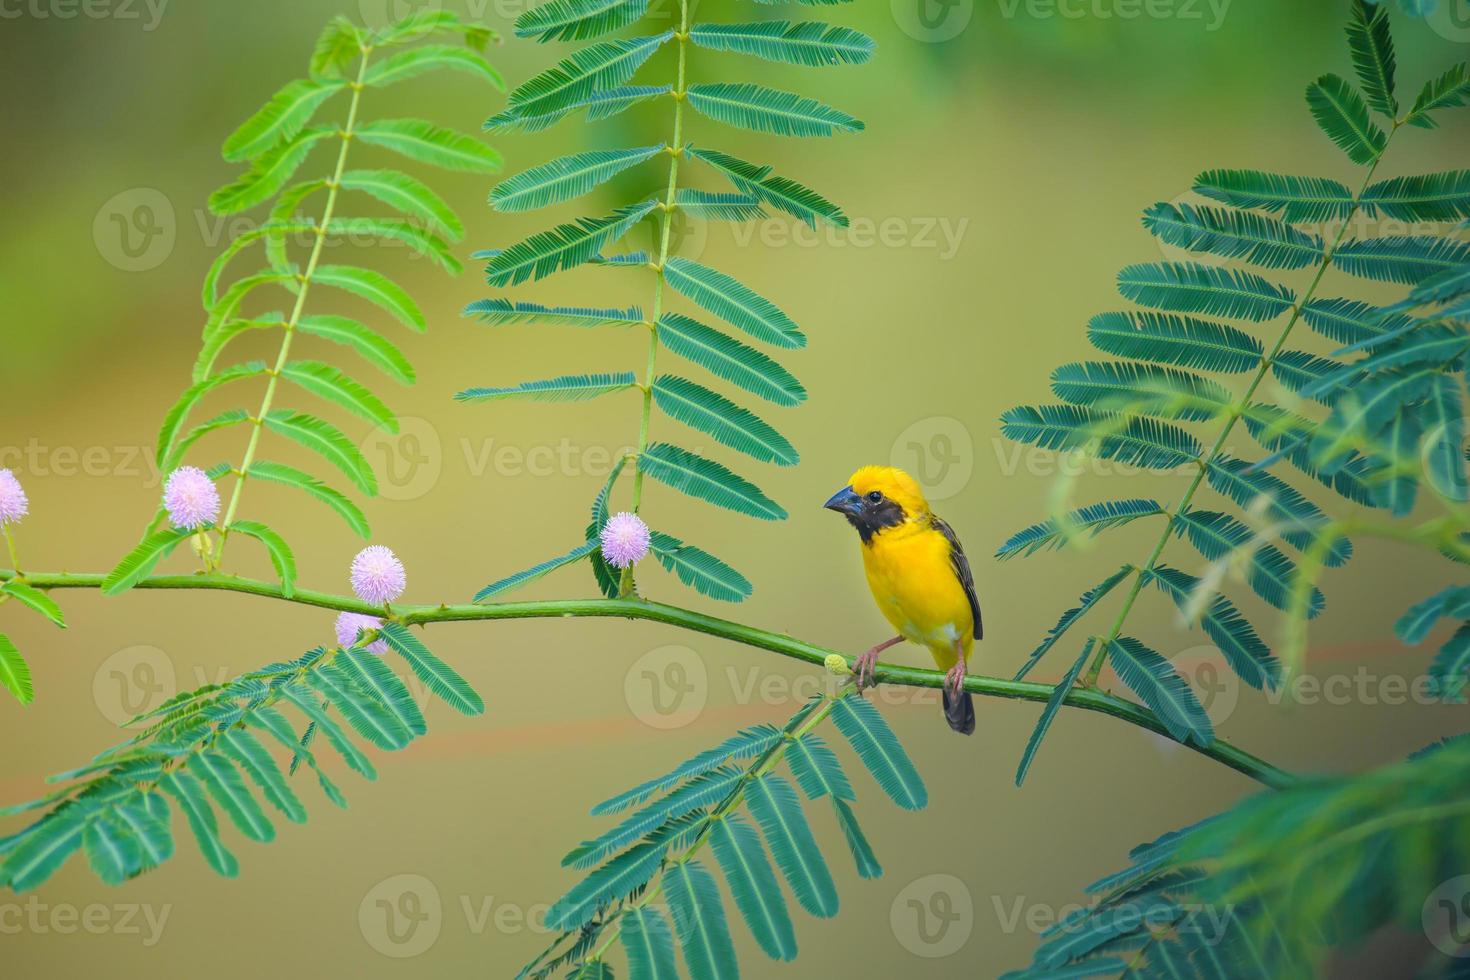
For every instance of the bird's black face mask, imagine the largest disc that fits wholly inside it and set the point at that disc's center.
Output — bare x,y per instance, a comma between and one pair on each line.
869,513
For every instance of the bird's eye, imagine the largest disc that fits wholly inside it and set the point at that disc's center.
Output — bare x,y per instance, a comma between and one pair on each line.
875,497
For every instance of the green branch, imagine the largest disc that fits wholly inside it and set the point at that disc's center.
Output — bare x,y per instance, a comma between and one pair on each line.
635,608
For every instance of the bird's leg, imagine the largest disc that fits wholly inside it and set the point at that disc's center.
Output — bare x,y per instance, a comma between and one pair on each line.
862,667
955,678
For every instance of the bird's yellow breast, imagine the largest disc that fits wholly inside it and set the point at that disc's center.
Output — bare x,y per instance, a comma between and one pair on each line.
912,577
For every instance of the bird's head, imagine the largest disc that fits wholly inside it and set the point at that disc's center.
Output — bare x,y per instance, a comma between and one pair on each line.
879,497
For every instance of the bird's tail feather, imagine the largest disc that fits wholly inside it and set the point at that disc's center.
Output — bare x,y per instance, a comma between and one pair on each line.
959,711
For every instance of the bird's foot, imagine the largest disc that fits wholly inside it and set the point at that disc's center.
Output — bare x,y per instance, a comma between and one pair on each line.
862,667
954,679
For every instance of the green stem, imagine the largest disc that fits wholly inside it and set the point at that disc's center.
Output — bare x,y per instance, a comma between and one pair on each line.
1095,669
10,546
657,612
258,422
676,151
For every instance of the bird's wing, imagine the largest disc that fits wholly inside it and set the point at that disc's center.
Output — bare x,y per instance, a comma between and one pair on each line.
962,571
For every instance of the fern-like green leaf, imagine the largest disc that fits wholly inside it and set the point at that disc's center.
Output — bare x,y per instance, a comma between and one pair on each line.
1166,339
534,572
578,20
377,289
292,477
368,717
255,761
370,345
431,57
1086,522
599,105
699,919
331,384
699,569
1220,537
323,723
1451,667
140,561
503,312
339,42
1049,712
112,852
1349,321
1255,238
565,178
1422,197
1088,599
447,685
729,360
1144,389
747,744
715,415
146,821
1237,639
782,193
431,246
34,598
40,853
733,302
757,894
174,419
285,115
1403,259
768,110
270,172
692,474
1138,441
1284,505
1450,90
15,673
1444,438
623,875
879,749
563,247
372,675
1371,45
718,207
1343,116
225,784
807,43
427,143
774,804
184,788
1188,287
597,67
406,194
1295,199
567,388
648,944
1170,697
280,552
327,441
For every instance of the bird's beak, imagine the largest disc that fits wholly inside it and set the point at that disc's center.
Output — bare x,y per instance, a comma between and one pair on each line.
844,501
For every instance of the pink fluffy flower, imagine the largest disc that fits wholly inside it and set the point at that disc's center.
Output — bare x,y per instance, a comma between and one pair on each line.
190,498
624,539
349,625
13,503
377,575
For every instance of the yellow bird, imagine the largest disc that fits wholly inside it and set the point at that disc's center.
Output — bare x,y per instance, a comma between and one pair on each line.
919,576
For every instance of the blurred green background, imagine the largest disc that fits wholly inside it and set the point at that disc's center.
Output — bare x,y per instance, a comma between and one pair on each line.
1009,151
